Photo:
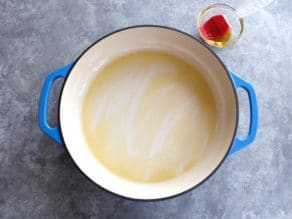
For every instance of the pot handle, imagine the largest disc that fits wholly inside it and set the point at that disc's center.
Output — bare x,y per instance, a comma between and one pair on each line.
238,143
52,132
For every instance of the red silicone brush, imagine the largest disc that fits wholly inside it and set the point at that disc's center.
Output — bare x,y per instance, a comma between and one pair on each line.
221,25
216,28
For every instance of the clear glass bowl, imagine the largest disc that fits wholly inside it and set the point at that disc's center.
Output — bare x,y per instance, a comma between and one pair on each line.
229,12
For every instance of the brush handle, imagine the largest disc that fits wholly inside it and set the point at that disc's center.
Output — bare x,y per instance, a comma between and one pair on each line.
251,7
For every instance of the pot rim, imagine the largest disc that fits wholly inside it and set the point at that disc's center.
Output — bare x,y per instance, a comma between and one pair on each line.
188,35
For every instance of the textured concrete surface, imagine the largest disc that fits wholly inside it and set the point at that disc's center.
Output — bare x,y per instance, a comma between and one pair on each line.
37,178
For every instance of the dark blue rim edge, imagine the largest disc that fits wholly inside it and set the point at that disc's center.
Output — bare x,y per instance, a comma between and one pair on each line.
236,122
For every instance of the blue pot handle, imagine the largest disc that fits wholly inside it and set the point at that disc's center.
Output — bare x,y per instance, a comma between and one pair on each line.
52,132
238,143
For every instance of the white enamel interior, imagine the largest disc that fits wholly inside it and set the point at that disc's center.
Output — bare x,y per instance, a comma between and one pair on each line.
117,44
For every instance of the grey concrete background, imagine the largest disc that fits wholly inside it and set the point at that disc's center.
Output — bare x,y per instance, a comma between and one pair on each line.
37,178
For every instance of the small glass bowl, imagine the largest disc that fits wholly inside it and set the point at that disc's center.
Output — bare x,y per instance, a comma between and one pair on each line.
229,12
